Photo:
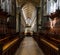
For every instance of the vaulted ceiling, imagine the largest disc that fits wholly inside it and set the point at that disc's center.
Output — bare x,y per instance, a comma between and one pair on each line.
28,9
29,12
34,2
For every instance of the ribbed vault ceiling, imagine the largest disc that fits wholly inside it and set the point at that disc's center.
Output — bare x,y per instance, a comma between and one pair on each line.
28,9
29,12
22,2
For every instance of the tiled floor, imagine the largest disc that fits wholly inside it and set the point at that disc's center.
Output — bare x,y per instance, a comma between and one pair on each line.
29,47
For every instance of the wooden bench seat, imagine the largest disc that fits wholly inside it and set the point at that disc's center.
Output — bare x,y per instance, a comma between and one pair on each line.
9,44
5,40
57,40
49,44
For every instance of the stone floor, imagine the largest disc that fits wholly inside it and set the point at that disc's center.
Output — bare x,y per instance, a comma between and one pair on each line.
29,47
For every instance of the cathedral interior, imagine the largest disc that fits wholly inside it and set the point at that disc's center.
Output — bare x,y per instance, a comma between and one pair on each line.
29,27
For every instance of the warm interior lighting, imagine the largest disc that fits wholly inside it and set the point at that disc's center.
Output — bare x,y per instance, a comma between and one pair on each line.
29,13
52,23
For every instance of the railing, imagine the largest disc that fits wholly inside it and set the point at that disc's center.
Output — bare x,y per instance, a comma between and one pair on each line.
9,44
50,44
49,47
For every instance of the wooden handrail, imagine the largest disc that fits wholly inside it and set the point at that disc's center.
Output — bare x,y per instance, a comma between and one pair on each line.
9,35
4,39
50,44
9,44
56,40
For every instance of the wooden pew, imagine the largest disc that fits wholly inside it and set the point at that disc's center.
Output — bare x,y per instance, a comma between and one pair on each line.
9,44
49,47
49,44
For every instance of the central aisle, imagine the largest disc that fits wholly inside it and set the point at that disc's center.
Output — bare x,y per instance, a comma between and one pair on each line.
29,47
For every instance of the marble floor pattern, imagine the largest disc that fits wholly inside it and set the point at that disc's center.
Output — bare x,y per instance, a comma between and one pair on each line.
29,47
